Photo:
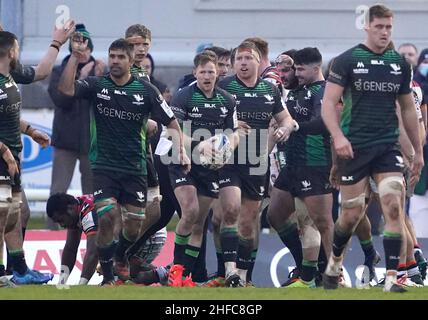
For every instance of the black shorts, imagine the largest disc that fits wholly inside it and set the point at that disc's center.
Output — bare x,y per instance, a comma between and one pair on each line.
204,180
5,178
125,188
370,161
303,182
252,186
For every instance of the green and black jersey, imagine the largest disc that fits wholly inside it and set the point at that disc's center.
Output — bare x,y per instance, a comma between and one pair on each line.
23,74
196,111
10,112
118,121
310,145
371,84
256,106
139,72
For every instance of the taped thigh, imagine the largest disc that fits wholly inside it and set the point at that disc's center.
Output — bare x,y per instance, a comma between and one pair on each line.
359,201
301,211
391,185
105,205
5,196
128,216
13,212
153,194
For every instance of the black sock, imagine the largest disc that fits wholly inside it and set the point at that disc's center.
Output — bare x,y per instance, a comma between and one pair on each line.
17,259
23,233
322,260
9,266
392,246
368,248
340,240
251,265
190,256
244,253
309,268
199,273
105,255
180,244
121,248
221,270
229,244
2,270
289,235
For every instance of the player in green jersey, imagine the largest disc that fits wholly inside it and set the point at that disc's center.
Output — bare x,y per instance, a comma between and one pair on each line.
121,105
370,77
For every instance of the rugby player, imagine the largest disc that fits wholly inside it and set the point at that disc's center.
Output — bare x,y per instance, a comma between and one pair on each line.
306,172
203,106
242,183
121,107
370,77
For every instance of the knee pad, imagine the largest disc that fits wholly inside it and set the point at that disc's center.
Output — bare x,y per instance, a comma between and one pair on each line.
359,201
153,195
128,216
391,185
105,205
5,196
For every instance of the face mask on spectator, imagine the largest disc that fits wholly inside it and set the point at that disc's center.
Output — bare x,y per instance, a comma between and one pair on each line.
423,69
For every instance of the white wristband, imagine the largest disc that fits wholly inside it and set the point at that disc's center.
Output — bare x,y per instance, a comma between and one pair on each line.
83,281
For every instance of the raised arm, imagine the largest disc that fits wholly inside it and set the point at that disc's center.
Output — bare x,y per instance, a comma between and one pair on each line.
66,82
59,37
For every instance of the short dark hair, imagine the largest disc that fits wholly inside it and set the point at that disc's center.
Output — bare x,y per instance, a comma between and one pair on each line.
220,52
291,53
58,203
122,44
307,56
408,44
261,44
140,30
204,57
248,45
7,42
380,11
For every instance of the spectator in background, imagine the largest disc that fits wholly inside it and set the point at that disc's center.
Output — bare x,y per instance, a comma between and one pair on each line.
410,53
149,65
70,130
421,74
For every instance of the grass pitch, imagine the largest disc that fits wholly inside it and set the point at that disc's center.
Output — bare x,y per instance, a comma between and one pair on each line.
127,292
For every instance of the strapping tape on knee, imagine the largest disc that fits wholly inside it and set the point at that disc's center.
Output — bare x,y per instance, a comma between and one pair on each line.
355,202
153,195
105,205
311,237
127,215
391,185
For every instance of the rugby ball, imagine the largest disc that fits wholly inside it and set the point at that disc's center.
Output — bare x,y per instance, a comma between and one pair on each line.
222,153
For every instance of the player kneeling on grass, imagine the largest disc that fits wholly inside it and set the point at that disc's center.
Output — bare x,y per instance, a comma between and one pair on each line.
77,214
